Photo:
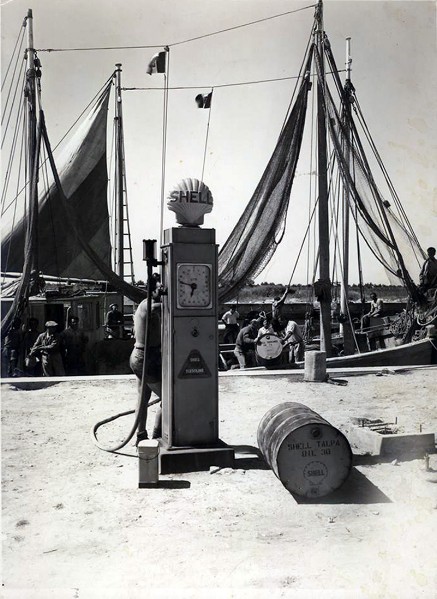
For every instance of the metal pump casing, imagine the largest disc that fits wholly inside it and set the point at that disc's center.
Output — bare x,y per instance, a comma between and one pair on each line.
190,338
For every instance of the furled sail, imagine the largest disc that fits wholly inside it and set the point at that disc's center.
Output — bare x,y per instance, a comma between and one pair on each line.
253,241
83,175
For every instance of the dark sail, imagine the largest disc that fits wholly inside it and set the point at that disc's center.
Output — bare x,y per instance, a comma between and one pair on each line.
83,174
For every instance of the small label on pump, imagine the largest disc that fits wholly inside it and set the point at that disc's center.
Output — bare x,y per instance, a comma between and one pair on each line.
194,367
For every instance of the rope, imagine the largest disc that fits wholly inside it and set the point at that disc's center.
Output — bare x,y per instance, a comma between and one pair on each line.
21,32
8,172
186,41
19,78
215,86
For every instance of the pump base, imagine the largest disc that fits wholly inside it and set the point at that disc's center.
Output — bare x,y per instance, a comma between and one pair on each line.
173,460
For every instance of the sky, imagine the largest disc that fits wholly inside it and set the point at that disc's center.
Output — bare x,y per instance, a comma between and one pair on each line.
394,73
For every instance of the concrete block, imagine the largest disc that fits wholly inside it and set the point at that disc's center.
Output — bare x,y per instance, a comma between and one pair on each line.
396,445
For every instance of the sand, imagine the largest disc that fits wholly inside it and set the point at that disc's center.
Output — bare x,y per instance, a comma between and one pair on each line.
75,523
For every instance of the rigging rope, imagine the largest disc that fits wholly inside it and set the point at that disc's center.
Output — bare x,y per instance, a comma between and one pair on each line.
19,78
21,32
8,172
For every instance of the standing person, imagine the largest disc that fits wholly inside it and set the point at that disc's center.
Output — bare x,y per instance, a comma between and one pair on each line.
294,339
32,367
73,343
153,362
278,309
230,319
114,321
376,306
48,346
428,273
245,345
12,346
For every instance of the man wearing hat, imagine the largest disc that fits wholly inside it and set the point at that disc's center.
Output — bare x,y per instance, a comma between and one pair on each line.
47,346
114,321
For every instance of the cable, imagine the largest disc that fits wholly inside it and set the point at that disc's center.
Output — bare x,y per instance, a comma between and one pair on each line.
182,87
199,37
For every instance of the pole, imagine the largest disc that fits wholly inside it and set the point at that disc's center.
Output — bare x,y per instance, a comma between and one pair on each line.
119,175
164,143
345,327
325,283
30,96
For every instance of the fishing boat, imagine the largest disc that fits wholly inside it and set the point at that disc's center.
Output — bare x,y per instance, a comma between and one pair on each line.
56,247
346,193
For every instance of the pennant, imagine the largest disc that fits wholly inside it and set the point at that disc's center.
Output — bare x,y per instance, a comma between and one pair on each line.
204,100
157,64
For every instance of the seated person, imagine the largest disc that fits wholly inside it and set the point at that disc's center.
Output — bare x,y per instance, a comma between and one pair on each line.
376,306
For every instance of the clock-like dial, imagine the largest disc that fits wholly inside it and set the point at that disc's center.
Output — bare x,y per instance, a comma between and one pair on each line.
193,285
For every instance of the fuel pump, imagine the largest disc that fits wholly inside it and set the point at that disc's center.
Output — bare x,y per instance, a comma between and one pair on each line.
190,422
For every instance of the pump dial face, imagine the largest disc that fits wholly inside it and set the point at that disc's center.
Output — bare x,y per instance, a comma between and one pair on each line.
193,285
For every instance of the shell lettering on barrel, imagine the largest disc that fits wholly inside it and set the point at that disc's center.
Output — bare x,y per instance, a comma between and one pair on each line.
308,455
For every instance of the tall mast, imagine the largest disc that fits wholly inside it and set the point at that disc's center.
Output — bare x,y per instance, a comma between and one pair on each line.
30,99
325,283
119,178
345,327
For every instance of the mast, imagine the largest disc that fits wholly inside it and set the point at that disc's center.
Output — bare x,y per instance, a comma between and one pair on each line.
345,327
324,282
119,260
30,100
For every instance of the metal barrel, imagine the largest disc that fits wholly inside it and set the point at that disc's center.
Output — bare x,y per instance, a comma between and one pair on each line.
309,456
268,350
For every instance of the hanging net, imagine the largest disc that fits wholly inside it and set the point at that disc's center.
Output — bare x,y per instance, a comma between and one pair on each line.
257,234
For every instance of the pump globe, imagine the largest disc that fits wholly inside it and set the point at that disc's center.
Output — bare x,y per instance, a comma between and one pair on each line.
190,200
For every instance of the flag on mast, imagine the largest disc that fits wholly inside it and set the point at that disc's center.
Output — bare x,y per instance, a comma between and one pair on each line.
204,100
157,64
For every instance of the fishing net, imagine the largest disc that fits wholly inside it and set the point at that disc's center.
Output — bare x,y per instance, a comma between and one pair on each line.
257,234
386,235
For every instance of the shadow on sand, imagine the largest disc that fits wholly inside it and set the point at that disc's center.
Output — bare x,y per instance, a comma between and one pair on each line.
357,489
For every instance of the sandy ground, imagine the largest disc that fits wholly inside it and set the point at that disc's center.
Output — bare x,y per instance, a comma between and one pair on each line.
76,525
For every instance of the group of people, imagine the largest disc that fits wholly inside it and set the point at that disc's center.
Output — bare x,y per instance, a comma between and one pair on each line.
249,336
32,353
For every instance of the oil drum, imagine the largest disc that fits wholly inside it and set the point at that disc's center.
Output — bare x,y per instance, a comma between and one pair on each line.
309,456
268,350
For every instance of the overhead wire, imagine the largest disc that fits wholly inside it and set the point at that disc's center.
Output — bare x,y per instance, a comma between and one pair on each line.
186,41
218,85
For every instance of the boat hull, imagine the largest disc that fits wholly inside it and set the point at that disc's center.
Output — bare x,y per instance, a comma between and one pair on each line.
417,353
